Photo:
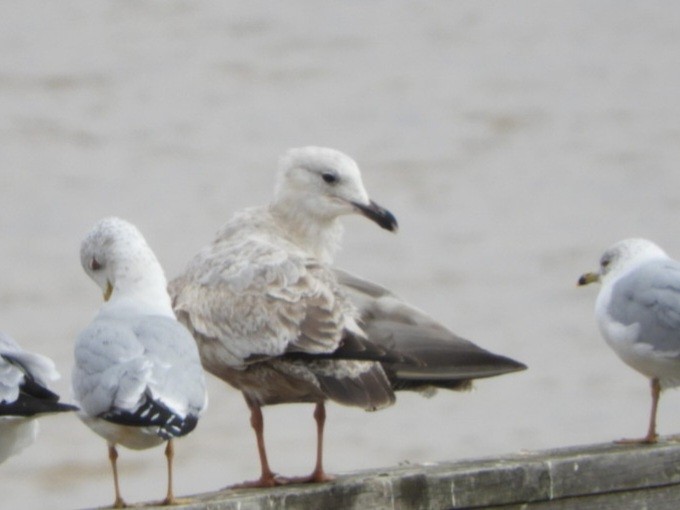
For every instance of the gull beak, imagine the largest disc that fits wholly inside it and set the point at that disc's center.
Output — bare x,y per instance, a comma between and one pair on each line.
588,278
108,291
378,214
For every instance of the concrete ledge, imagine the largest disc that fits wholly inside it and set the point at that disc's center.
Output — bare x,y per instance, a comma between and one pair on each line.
592,477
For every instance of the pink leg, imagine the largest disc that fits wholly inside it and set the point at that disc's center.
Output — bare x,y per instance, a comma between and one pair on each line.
651,436
267,478
318,475
169,455
113,458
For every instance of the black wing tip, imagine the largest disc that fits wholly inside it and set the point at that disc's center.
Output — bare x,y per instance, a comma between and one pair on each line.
153,413
63,408
28,406
508,365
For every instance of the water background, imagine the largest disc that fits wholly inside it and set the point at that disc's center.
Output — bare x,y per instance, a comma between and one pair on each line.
514,141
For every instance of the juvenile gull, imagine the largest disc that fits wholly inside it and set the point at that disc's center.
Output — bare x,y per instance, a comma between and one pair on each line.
24,395
271,318
638,313
137,376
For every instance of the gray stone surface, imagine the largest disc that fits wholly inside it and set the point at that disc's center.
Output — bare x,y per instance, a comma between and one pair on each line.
601,476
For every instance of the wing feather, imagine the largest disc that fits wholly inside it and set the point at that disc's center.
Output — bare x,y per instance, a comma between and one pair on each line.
650,297
260,299
119,363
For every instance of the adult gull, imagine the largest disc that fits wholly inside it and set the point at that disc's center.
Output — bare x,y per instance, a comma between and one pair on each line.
24,395
273,319
638,314
137,376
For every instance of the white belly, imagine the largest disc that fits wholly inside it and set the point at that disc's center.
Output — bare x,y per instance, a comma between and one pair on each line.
641,356
136,438
16,433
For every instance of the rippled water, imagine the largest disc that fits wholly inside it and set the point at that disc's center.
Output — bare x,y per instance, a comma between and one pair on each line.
514,142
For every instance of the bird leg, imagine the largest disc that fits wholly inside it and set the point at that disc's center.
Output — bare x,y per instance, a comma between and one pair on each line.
113,457
318,475
651,436
169,455
267,478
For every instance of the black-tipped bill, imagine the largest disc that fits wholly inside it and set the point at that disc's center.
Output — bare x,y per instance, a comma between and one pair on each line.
588,278
380,215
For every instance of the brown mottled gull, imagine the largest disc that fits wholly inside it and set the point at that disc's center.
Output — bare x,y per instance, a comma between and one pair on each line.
271,318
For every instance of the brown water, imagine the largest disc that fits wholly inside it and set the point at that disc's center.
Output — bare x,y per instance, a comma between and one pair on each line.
514,142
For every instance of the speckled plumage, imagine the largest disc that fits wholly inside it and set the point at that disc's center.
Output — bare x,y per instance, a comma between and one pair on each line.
252,297
264,305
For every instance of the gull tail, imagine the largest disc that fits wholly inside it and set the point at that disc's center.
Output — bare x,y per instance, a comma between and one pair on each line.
357,384
153,413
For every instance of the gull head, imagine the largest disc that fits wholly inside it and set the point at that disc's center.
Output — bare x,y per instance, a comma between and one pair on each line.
621,258
115,255
323,184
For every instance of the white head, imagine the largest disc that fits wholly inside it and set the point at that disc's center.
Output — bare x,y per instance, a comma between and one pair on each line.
322,184
115,255
622,257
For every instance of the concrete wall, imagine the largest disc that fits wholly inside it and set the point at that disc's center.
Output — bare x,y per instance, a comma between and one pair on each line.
593,477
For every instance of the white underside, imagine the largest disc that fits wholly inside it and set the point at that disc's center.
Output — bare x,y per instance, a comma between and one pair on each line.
16,433
136,438
662,365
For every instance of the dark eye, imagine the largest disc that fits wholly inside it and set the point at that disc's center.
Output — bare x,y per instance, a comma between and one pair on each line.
95,265
329,177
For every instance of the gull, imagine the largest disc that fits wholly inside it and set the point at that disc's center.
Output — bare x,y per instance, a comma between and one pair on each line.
24,395
137,376
272,318
638,314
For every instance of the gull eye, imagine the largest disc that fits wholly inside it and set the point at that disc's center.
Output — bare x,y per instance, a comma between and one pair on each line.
95,265
329,177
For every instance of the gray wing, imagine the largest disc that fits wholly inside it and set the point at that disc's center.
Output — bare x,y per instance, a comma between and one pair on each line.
178,379
121,364
23,382
261,299
650,296
431,354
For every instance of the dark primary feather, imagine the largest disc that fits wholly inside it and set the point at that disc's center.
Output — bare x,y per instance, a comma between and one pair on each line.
153,413
28,405
430,354
434,358
353,347
34,398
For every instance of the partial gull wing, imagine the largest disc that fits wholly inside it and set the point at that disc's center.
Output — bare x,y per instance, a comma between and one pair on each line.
650,298
430,353
23,382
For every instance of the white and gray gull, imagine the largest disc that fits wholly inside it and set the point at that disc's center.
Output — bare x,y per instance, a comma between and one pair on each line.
137,376
638,313
24,395
273,319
